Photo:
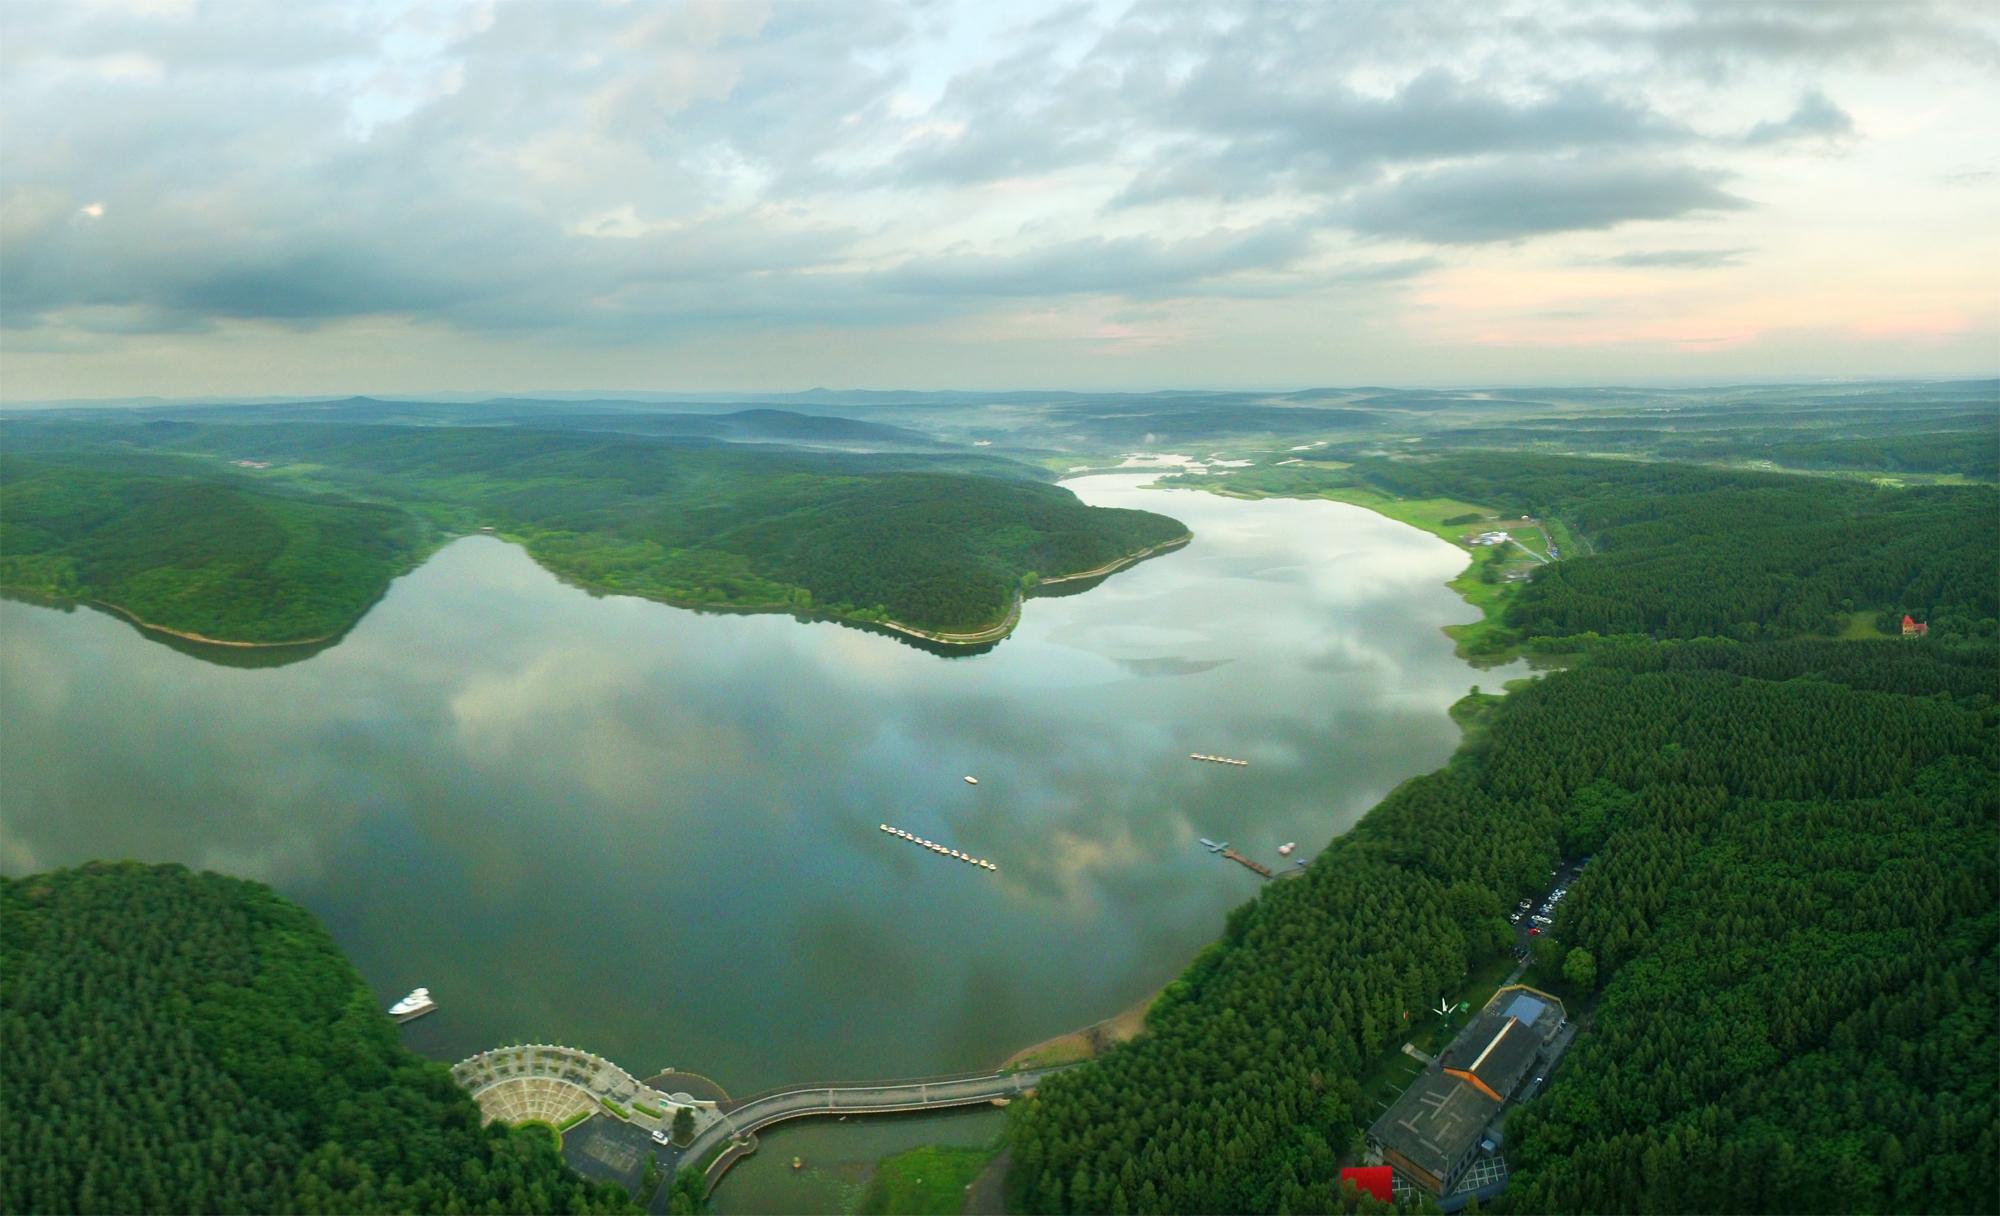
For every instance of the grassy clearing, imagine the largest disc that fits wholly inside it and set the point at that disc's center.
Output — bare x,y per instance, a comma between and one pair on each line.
1472,711
1859,627
927,1181
1426,513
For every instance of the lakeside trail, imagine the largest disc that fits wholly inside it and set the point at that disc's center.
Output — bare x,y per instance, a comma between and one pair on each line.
978,637
1088,1043
1112,567
204,639
1006,626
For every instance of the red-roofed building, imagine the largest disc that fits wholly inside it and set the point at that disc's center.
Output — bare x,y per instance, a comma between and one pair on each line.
1913,628
1376,1180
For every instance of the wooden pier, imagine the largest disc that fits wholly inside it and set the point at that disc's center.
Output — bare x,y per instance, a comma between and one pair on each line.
1240,859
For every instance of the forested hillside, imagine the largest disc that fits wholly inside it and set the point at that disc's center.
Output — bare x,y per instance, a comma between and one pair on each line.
1685,551
1793,916
1794,907
180,1042
155,514
197,550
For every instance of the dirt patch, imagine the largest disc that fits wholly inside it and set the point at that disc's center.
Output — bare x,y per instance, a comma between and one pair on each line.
1086,1044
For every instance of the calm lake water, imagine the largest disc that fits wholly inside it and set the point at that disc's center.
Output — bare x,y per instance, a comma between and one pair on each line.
652,833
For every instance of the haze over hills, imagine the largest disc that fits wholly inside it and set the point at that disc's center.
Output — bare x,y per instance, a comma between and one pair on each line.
1378,608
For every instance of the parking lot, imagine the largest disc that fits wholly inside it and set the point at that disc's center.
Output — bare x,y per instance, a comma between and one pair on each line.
1544,905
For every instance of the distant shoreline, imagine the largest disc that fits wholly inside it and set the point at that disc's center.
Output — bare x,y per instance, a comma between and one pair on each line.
204,639
978,637
1112,567
154,627
1006,626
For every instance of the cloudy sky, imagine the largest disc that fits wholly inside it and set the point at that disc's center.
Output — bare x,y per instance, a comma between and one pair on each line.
391,197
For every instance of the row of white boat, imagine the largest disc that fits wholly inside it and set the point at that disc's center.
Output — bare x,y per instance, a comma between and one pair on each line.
939,849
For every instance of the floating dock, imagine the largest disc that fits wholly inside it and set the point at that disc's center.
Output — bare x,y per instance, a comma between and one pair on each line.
1240,859
1219,759
939,849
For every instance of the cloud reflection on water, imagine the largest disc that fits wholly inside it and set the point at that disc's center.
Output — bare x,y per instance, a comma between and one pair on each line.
654,833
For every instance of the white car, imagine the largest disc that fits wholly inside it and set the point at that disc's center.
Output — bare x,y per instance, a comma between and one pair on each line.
660,1135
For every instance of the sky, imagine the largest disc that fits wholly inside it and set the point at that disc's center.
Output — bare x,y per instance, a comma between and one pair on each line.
297,198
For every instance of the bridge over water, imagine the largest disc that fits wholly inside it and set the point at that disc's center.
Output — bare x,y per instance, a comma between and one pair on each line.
562,1085
739,1122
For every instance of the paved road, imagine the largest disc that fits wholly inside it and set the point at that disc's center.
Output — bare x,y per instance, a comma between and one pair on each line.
766,1109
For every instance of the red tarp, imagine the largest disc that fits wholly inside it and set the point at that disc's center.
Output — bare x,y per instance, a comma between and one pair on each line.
1376,1180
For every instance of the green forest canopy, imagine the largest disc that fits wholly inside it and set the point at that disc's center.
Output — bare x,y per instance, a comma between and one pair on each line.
1794,911
182,1042
213,555
153,517
1686,551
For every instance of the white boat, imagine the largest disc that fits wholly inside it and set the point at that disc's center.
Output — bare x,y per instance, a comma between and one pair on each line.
415,1005
1285,850
972,781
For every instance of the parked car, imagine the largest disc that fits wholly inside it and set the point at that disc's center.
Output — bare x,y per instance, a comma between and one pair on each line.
660,1135
1515,919
1535,931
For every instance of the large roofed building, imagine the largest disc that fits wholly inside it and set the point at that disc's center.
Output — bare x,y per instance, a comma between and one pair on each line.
1440,1124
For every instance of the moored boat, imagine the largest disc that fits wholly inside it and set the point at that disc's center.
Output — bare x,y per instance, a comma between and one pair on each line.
415,1005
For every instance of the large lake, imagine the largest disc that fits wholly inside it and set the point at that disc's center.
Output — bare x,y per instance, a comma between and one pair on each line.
653,833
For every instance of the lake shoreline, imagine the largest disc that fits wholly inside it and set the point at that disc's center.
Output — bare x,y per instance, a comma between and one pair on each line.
980,637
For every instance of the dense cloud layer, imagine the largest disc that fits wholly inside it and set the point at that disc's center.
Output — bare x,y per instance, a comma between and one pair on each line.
637,174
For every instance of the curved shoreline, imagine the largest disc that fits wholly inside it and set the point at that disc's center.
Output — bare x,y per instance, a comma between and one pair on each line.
980,637
1113,567
205,640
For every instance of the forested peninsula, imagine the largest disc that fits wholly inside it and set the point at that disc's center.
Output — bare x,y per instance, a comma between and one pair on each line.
287,532
1784,954
183,1042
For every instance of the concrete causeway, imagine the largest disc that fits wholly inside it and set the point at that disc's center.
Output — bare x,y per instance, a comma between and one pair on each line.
739,1121
558,1084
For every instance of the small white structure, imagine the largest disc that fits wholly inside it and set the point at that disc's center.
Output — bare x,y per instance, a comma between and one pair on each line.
413,1006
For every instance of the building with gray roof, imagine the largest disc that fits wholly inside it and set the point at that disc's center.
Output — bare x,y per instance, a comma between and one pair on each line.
1433,1132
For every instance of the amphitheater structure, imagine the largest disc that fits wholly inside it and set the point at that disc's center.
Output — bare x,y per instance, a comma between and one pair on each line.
563,1085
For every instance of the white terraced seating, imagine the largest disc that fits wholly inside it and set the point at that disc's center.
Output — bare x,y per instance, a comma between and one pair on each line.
523,1098
540,1081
